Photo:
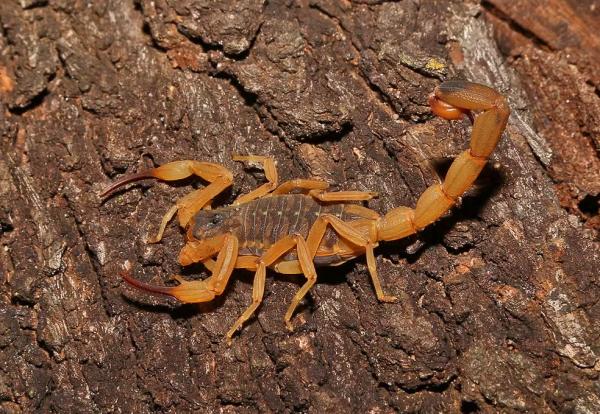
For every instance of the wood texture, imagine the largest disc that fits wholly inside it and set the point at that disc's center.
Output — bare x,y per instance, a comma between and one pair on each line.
499,300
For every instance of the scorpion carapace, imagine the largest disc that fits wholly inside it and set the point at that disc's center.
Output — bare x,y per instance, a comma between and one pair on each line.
291,227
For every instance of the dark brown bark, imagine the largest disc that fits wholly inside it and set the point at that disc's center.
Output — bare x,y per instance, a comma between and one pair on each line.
499,300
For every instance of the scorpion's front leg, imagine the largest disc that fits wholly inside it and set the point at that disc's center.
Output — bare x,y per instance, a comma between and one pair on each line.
270,170
197,291
219,178
316,189
303,184
451,100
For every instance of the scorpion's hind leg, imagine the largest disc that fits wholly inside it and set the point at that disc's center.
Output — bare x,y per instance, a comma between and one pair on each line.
347,232
219,179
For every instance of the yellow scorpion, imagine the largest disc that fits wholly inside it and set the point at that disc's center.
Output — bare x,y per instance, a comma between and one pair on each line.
297,225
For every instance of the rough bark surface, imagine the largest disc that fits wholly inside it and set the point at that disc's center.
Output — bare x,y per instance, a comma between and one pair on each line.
499,300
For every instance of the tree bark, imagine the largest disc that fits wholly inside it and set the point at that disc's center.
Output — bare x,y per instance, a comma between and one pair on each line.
499,300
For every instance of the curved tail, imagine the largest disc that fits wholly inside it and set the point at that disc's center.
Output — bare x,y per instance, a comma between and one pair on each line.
452,100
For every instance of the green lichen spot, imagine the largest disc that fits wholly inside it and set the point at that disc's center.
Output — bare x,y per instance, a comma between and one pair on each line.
435,65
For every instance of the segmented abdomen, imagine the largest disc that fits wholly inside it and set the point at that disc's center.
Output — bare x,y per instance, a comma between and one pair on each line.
260,223
269,219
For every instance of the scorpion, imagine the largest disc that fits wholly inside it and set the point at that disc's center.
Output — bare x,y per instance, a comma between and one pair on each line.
293,227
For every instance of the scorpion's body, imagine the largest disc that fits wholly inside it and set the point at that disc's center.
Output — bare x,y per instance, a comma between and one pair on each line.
260,223
297,225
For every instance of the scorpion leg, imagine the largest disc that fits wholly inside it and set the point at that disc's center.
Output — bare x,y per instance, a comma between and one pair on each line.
197,291
347,232
361,211
342,195
273,253
258,289
270,174
300,184
308,269
219,178
316,188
